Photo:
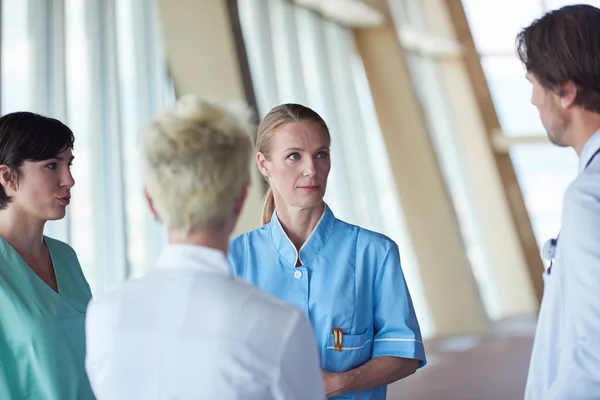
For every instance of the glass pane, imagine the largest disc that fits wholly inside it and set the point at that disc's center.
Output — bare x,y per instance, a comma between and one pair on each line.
389,204
128,70
495,24
16,57
83,238
408,13
288,67
424,73
140,80
544,172
554,4
511,94
256,29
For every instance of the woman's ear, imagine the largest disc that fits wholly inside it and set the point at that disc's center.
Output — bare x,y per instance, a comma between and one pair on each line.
8,179
261,161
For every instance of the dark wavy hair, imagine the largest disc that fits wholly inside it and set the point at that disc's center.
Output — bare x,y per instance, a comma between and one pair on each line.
562,46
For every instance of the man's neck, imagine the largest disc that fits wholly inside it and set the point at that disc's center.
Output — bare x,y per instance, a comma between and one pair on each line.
582,129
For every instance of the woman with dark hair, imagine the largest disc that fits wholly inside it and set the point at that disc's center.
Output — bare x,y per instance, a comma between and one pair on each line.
43,293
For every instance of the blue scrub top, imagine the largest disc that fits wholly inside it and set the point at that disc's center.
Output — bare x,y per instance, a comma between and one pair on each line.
350,278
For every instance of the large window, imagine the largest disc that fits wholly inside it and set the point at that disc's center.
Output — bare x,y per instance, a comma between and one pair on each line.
16,56
98,66
543,170
427,81
298,56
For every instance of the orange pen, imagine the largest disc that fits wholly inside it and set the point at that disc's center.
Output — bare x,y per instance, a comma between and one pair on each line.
335,339
338,339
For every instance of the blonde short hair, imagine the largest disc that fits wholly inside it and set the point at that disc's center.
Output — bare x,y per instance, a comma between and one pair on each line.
197,162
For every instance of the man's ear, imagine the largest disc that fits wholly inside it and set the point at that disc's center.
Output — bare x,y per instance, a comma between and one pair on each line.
8,179
151,205
568,94
261,161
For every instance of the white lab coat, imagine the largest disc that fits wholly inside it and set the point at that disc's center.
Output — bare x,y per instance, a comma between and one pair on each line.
190,330
565,362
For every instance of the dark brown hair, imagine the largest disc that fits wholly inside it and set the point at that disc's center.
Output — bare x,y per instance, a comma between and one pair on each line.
26,136
562,46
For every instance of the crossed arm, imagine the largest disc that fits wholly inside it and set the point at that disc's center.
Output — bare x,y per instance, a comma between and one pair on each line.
378,372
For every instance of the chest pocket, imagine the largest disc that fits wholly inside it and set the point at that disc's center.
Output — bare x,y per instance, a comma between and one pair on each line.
356,351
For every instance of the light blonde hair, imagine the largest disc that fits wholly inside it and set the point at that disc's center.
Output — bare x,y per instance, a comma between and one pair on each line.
278,116
197,162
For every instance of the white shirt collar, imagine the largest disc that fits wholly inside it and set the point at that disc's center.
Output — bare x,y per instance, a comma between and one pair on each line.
589,149
188,256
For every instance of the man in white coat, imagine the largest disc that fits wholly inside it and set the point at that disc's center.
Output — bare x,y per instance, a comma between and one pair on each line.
189,329
561,52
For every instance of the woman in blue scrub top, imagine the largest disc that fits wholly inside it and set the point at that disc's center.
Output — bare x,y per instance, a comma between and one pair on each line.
346,279
43,293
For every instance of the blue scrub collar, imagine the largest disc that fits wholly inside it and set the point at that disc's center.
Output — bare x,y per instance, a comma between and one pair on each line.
313,245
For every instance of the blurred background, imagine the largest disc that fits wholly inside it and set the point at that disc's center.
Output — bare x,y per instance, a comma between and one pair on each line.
435,142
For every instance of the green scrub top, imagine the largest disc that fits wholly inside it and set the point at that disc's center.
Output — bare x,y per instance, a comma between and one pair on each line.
42,332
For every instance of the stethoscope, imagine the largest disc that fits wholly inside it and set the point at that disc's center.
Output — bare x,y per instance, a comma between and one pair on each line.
549,252
549,248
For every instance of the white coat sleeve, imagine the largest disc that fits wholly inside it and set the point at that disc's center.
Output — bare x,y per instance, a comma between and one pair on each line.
96,325
300,376
578,375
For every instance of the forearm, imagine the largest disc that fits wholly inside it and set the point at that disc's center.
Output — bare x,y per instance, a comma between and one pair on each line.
381,371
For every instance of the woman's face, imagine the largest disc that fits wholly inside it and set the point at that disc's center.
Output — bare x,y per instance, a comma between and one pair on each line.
43,190
298,164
